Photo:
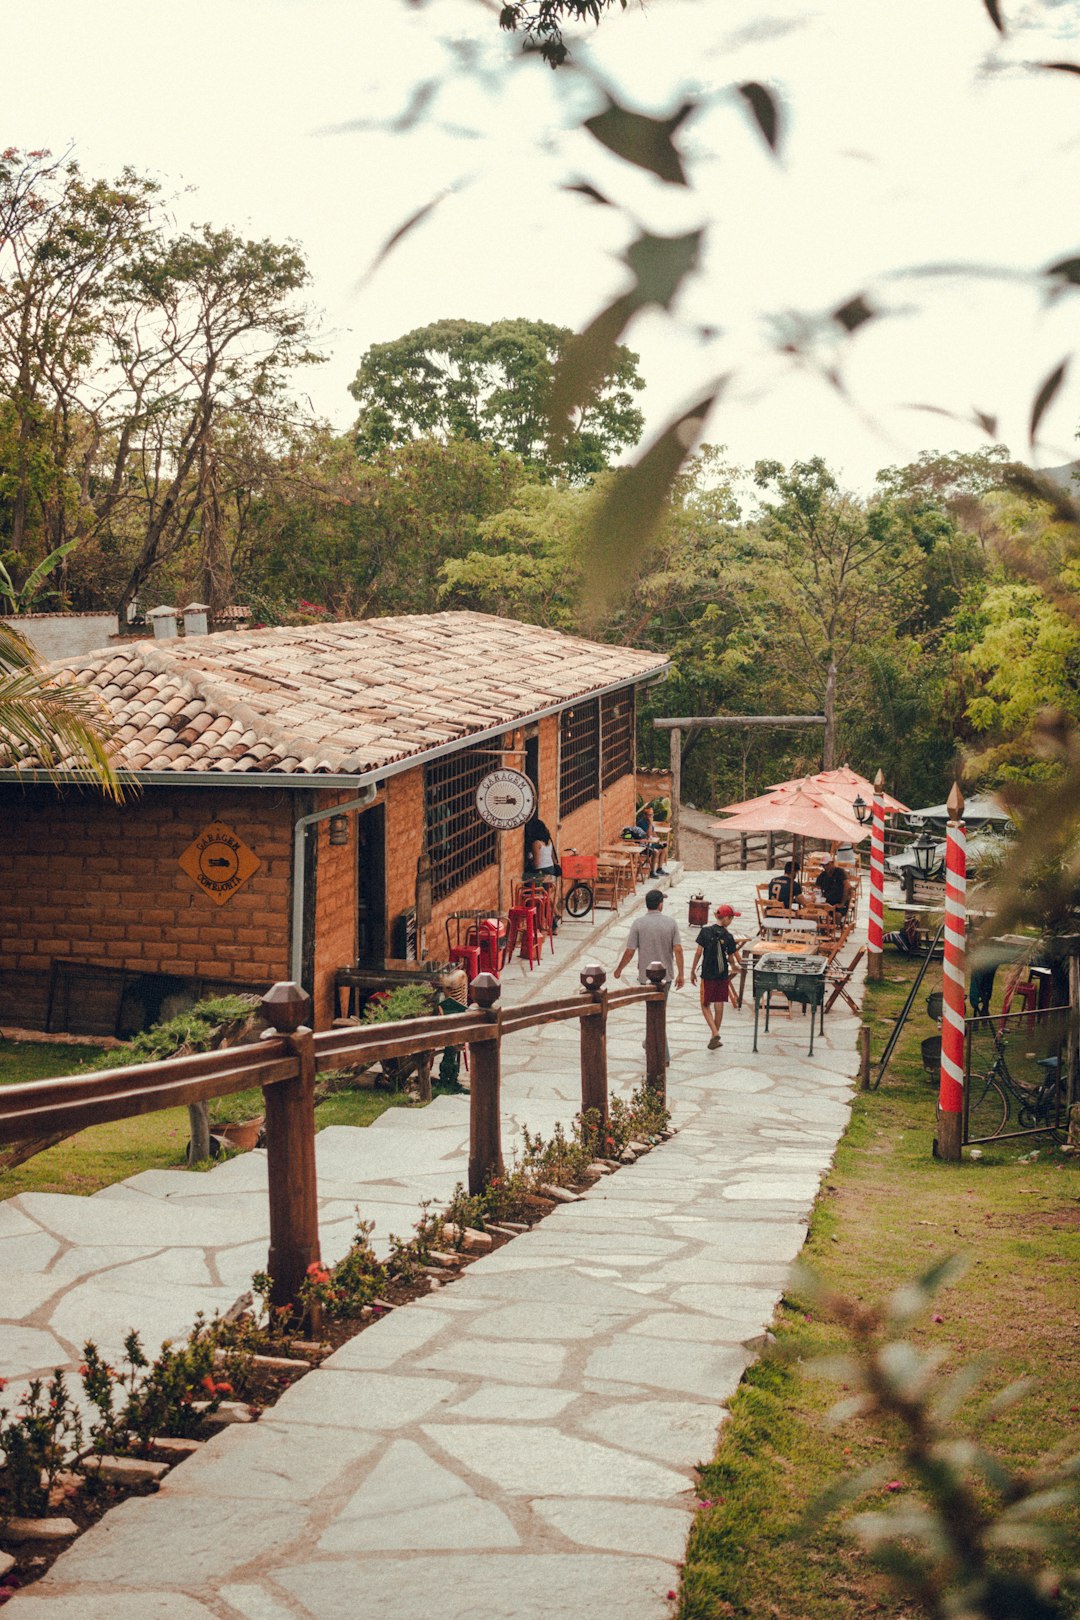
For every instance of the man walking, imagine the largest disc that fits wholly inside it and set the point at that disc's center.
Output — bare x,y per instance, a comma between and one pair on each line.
655,938
717,952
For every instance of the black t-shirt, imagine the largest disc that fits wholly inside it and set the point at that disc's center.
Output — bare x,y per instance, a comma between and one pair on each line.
716,945
785,890
831,885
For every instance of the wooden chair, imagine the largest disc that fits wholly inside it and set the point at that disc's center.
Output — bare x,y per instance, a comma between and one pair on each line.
838,977
607,886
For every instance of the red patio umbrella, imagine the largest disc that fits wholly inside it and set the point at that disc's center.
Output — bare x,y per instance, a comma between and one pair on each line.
799,812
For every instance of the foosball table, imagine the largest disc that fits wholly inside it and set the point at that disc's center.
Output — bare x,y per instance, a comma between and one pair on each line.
801,979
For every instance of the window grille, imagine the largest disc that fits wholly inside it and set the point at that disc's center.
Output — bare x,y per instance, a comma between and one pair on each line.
579,768
460,844
617,735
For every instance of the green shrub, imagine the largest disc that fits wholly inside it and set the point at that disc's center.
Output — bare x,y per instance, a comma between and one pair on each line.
196,1030
406,1001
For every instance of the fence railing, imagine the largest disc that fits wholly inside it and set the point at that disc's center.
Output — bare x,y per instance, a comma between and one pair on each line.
284,1064
1016,1081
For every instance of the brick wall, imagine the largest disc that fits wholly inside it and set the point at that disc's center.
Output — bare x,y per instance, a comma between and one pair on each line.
93,882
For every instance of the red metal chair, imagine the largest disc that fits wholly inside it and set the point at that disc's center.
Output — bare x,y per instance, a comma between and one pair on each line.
468,957
1028,993
522,925
489,936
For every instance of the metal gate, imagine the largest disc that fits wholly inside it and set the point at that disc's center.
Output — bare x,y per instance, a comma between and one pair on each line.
1016,1075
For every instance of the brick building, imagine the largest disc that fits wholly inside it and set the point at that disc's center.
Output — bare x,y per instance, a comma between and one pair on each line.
306,799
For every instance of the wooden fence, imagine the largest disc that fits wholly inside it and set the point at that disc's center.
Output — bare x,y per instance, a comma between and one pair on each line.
289,1055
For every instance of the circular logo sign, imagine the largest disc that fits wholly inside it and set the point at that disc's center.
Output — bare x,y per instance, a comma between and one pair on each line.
505,799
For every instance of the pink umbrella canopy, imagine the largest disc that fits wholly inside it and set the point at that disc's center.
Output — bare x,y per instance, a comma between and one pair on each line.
793,809
845,785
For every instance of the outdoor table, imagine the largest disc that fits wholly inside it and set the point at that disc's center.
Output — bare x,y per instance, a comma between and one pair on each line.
799,977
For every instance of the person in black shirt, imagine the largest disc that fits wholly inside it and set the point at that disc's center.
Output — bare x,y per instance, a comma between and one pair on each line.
787,889
717,952
835,886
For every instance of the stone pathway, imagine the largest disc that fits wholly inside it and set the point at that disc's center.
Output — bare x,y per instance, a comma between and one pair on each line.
520,1445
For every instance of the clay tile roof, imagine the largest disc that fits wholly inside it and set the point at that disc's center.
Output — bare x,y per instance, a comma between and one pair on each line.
339,698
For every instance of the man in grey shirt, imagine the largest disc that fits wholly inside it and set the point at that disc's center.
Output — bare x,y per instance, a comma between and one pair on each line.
655,938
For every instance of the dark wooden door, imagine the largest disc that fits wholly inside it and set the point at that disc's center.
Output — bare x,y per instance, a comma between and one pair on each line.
371,886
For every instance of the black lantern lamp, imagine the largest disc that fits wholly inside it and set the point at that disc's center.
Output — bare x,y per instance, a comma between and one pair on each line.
925,853
862,811
339,829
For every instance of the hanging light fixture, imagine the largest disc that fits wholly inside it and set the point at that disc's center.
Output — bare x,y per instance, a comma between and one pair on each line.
339,829
925,853
862,811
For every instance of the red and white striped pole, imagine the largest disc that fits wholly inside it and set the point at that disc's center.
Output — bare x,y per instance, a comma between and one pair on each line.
875,938
954,1000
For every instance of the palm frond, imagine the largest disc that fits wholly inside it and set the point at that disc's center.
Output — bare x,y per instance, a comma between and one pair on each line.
52,725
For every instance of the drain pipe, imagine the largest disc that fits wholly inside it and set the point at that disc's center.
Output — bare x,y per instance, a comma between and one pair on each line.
300,827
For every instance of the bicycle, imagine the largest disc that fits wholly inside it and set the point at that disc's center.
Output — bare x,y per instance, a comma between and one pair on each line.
578,900
989,1110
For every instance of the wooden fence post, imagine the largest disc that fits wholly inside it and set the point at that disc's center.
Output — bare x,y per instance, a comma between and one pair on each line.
290,1148
656,1033
864,1057
485,1135
594,1080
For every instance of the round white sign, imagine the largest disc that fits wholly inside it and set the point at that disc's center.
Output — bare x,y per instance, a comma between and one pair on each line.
505,799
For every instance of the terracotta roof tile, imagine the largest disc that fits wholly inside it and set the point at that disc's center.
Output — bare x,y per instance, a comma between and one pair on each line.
340,697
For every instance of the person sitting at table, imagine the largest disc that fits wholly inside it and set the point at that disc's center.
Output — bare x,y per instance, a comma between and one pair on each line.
644,823
905,939
787,889
834,886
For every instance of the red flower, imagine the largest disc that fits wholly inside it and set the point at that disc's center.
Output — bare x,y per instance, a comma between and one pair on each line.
223,1389
209,1385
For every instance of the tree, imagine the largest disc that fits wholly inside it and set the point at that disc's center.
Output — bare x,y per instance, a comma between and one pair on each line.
122,348
542,22
464,380
64,242
226,330
59,725
357,538
836,575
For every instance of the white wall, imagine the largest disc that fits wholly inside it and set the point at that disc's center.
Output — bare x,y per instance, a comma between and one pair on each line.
65,635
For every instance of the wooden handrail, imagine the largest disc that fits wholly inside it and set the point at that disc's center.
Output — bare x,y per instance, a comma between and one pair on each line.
284,1063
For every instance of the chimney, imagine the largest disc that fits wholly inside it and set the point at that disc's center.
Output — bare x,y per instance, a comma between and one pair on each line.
195,618
163,620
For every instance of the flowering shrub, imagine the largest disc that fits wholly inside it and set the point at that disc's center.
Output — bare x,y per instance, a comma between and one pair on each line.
39,1442
144,1399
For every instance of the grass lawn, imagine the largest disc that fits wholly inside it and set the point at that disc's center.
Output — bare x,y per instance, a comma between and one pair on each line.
106,1153
888,1211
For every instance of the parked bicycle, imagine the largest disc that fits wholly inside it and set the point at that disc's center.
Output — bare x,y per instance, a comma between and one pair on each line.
579,871
994,1094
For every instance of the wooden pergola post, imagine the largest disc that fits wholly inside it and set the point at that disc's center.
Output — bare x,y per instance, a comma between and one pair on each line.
713,722
676,791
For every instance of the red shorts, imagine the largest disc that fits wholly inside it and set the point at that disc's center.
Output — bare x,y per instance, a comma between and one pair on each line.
715,989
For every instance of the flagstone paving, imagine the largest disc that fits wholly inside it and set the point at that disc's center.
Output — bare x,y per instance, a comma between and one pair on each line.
518,1446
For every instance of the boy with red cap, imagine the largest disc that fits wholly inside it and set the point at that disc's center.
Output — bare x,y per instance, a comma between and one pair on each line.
717,952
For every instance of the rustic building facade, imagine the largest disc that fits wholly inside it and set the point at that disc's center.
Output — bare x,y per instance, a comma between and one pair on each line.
305,799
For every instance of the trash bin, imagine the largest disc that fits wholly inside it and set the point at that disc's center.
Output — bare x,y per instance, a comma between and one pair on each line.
699,911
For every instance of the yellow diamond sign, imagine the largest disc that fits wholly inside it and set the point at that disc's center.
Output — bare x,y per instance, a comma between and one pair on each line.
219,862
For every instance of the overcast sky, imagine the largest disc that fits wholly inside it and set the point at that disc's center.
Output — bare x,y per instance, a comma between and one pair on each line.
912,136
